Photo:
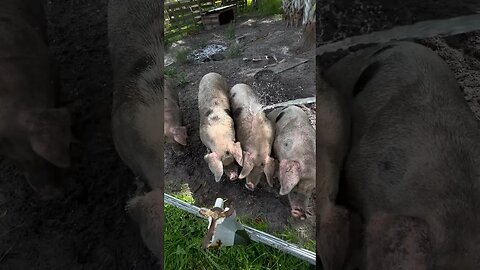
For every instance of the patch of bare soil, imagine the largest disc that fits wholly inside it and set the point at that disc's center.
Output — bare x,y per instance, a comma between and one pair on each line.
259,37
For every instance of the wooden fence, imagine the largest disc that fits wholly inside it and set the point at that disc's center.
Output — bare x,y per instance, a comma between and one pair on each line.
184,17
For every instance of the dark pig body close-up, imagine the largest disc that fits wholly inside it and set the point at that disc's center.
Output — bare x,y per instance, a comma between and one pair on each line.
174,133
255,132
136,48
333,130
413,171
217,129
34,133
294,148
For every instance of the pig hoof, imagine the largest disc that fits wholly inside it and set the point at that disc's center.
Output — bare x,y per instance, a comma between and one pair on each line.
250,186
296,213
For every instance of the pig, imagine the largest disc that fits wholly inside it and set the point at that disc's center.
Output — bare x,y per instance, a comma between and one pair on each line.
412,171
333,130
174,132
34,132
294,148
255,133
136,51
217,130
147,211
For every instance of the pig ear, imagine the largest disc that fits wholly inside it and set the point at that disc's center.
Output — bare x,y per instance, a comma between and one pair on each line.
50,136
215,165
247,165
289,174
179,135
236,150
269,170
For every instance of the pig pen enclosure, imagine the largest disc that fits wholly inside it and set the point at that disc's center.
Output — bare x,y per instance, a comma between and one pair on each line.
89,229
268,56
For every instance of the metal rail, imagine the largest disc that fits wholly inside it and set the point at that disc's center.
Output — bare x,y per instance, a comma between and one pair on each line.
291,102
423,29
255,235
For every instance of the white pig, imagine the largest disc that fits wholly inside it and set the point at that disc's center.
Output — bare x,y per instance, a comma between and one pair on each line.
294,147
256,133
217,130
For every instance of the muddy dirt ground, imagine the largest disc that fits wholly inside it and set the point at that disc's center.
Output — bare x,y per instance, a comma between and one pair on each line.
260,37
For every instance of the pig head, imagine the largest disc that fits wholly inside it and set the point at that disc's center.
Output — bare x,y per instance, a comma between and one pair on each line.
217,130
256,134
175,134
413,166
33,133
294,147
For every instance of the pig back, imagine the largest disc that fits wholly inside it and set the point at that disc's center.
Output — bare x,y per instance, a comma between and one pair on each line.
136,51
24,63
294,137
213,93
415,141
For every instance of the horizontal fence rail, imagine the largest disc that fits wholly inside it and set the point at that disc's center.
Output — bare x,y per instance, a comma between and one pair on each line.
255,235
424,29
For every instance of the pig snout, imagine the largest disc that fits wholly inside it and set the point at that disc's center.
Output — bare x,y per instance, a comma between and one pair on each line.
298,204
250,186
232,172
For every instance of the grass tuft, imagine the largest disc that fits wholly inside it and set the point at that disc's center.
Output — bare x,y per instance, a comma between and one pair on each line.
176,74
234,51
181,55
230,33
183,237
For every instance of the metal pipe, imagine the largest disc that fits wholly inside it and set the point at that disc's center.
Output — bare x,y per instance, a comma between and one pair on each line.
423,29
254,234
291,102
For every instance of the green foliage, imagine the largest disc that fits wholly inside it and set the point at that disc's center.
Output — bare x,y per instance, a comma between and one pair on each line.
230,33
176,74
265,7
234,50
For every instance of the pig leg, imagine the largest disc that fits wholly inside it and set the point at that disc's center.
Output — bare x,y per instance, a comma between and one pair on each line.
248,164
289,175
396,242
333,236
215,165
147,212
269,170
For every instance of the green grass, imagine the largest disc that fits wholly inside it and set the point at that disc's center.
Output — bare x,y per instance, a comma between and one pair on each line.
234,50
230,33
183,237
181,55
265,7
176,74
